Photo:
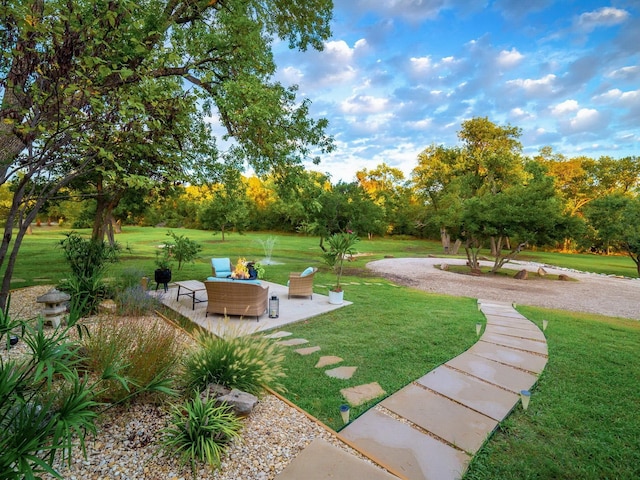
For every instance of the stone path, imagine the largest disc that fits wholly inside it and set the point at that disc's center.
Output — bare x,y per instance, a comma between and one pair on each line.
432,428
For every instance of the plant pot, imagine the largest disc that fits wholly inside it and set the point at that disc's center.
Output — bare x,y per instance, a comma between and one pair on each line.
336,298
162,276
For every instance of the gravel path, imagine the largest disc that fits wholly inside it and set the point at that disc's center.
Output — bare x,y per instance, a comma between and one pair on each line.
592,293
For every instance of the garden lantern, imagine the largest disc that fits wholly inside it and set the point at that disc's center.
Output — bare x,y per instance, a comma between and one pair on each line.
274,307
525,396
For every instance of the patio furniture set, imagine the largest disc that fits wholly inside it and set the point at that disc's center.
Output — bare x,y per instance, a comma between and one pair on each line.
239,296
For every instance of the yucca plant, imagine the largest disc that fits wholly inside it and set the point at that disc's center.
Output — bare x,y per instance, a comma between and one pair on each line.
200,430
247,363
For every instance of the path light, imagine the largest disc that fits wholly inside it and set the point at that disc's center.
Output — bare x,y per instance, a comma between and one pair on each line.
544,324
344,413
274,307
525,396
478,328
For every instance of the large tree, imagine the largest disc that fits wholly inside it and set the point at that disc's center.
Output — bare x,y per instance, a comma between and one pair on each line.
65,65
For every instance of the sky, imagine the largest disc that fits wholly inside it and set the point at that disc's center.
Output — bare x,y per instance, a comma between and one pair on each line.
400,75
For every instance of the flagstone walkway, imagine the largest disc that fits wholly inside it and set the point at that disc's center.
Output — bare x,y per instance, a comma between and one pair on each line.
432,428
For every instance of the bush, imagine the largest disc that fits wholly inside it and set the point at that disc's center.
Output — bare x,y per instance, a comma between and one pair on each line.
134,301
247,363
45,407
145,352
88,260
200,430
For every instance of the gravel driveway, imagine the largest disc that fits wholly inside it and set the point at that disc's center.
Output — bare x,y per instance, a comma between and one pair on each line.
593,293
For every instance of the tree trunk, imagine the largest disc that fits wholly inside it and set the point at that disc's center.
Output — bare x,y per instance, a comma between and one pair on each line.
446,239
456,247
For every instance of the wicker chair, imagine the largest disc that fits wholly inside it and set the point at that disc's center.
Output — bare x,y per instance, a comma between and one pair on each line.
301,286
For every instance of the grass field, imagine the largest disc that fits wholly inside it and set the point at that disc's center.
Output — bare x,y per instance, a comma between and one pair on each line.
583,420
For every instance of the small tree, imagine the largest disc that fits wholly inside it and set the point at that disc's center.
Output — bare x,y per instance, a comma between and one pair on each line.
340,245
183,249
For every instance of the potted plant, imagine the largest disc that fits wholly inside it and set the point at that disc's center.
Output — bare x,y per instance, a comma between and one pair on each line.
162,275
340,245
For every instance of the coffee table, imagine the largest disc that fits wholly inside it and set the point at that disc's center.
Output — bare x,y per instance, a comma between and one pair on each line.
191,287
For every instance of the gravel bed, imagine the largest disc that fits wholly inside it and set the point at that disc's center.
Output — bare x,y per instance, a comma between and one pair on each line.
127,444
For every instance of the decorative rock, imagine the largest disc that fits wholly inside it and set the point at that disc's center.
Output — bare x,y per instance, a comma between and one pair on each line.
521,275
241,402
541,272
445,267
563,277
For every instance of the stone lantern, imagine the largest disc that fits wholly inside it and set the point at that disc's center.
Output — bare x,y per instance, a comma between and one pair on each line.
55,306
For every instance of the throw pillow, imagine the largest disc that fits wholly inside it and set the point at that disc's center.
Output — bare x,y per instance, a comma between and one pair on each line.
307,271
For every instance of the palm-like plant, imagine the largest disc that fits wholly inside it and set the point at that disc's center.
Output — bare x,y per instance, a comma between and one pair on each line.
340,245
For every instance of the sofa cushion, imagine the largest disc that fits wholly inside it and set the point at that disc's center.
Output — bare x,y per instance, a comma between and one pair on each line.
217,279
222,266
307,271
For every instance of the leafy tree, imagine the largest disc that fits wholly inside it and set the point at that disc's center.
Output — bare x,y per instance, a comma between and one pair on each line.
66,66
615,225
520,215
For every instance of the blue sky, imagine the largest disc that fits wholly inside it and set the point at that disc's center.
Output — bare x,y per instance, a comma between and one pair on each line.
400,75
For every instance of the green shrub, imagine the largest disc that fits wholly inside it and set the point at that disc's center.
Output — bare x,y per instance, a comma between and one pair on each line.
45,406
88,260
200,430
145,352
247,363
134,301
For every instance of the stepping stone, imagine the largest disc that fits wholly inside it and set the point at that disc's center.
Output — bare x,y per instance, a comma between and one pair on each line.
343,373
321,460
510,356
279,334
471,392
405,449
511,322
293,341
457,424
362,393
307,351
327,360
493,372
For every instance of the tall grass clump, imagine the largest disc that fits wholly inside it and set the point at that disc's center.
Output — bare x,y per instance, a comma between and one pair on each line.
145,352
248,363
199,429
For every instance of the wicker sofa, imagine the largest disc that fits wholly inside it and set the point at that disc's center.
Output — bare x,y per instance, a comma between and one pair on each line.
246,298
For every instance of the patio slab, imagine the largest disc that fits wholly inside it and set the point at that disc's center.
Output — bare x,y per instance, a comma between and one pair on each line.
405,449
455,423
491,371
514,331
519,343
291,310
510,356
320,460
483,397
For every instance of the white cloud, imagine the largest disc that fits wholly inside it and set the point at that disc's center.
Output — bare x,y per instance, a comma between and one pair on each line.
626,73
586,119
520,114
537,86
565,107
421,64
509,58
617,96
363,104
603,17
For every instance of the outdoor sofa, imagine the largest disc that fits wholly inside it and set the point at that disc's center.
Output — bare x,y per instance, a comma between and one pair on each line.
226,296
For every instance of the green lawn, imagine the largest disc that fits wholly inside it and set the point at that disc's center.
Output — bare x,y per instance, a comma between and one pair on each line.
583,419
